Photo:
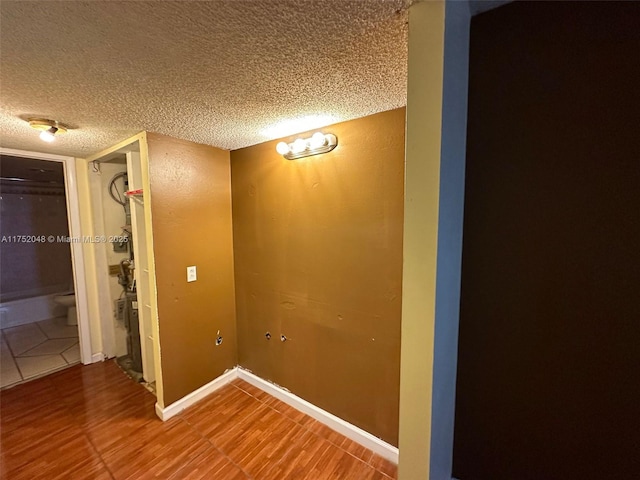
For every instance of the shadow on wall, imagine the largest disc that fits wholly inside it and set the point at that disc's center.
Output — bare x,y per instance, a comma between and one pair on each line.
549,332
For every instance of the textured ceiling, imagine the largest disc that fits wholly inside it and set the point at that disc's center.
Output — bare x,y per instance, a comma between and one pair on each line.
220,72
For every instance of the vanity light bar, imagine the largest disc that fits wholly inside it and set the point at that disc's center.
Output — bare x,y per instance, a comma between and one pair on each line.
303,147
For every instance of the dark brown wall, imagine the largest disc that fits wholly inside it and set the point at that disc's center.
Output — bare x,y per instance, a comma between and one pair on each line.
191,209
548,375
318,256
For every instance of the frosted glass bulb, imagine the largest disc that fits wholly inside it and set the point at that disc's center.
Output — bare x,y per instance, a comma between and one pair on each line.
317,140
299,146
282,148
48,135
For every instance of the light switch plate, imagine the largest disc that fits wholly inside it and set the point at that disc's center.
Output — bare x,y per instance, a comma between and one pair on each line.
191,274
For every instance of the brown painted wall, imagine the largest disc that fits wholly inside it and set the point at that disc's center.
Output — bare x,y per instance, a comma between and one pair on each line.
318,257
191,209
548,384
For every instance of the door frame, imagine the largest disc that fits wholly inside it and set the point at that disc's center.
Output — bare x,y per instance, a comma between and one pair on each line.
75,232
152,365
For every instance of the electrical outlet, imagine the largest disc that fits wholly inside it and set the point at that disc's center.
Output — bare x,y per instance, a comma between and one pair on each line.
191,274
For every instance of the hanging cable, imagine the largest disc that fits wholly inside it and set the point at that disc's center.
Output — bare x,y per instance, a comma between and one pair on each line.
112,186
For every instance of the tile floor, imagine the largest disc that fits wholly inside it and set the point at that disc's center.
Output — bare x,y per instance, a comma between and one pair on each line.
36,349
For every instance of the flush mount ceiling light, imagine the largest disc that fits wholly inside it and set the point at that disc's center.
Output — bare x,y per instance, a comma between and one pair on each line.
303,147
49,129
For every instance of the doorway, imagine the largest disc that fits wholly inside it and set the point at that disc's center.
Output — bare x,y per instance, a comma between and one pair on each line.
116,181
42,312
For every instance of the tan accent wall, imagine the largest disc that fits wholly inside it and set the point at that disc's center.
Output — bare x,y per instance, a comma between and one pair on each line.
318,258
191,209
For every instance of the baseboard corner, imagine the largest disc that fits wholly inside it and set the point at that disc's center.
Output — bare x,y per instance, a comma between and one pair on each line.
194,397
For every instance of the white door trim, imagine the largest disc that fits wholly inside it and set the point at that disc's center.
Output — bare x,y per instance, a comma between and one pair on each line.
75,231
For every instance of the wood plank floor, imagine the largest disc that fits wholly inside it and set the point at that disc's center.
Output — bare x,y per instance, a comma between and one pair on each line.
93,423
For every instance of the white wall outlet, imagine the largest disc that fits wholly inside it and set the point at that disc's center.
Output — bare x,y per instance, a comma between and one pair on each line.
191,274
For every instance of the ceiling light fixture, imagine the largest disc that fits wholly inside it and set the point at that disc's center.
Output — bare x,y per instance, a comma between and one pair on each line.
303,147
49,129
293,126
49,135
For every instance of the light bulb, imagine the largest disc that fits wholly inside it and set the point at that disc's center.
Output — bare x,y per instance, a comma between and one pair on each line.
49,135
317,140
299,146
282,148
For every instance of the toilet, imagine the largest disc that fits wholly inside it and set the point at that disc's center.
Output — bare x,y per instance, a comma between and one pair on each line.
68,300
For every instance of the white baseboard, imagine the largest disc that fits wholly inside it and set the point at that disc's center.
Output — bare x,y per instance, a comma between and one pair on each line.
350,431
97,357
343,427
194,397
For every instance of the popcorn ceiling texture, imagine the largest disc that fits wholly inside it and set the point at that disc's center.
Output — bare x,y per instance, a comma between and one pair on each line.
214,72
